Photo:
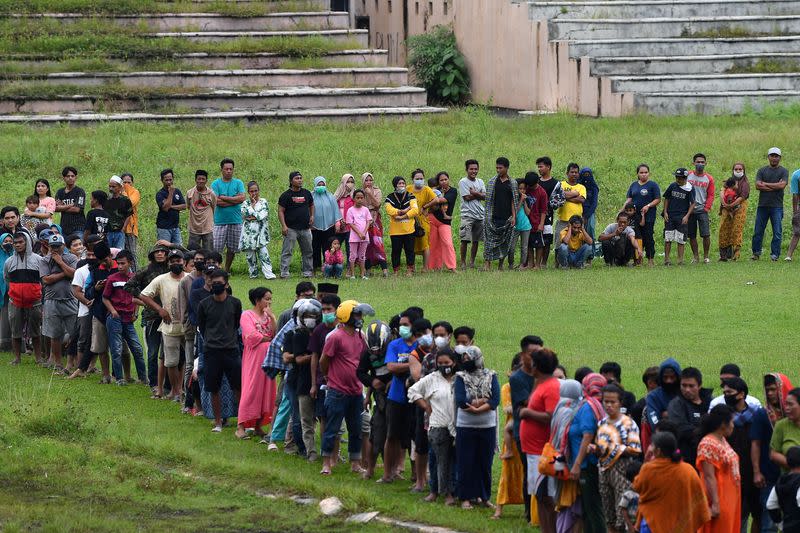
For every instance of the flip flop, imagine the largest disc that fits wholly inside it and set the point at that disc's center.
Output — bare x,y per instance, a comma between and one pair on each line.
156,396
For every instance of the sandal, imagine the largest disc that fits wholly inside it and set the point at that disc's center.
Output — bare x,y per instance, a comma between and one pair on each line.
156,396
242,436
106,380
325,472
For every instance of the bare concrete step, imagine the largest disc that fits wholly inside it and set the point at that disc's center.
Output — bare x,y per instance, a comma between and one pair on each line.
288,98
359,36
278,4
254,60
204,21
788,81
658,8
682,46
294,115
229,79
686,65
711,103
561,29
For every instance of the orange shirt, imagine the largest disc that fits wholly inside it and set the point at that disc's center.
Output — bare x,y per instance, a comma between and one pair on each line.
132,227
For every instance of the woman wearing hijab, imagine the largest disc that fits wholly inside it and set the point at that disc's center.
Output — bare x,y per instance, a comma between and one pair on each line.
402,210
734,215
326,218
477,394
6,251
344,201
582,460
376,253
566,489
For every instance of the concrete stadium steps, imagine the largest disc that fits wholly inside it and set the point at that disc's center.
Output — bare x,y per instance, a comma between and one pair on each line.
687,65
227,79
683,46
255,60
204,21
711,103
359,36
278,4
294,115
219,101
638,9
785,81
607,28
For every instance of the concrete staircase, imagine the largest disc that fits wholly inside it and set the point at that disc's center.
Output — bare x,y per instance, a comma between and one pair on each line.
302,66
673,56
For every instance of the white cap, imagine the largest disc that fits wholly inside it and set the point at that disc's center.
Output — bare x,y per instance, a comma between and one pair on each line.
774,150
116,179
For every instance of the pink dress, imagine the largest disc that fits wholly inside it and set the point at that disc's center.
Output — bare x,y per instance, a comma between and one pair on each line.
258,391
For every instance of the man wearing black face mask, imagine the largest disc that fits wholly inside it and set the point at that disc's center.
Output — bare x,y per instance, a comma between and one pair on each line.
668,388
161,295
218,322
184,292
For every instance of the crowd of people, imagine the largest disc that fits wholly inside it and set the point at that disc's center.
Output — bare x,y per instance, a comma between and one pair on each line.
579,452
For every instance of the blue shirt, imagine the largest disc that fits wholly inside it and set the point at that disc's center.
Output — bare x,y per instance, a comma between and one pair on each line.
642,195
397,388
794,182
583,423
523,222
761,430
168,219
231,214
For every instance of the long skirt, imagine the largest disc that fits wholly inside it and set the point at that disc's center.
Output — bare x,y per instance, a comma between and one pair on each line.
474,452
731,228
497,239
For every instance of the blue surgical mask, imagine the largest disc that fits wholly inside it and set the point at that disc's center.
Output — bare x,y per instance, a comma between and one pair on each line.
419,183
425,340
405,332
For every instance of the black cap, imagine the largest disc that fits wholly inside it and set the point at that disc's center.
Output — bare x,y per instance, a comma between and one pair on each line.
329,288
682,173
174,253
102,250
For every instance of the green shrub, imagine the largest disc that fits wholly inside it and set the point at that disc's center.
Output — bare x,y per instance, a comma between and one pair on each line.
439,66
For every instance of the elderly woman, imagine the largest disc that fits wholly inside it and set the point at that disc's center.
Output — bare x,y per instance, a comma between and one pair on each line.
376,253
787,430
733,216
326,219
255,233
477,395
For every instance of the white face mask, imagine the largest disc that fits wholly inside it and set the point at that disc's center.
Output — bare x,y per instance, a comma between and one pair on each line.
419,183
460,349
441,342
310,323
738,175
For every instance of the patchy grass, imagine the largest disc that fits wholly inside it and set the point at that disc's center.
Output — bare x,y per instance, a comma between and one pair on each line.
126,7
731,32
766,66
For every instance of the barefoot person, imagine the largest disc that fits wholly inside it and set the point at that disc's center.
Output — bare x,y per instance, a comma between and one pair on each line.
502,203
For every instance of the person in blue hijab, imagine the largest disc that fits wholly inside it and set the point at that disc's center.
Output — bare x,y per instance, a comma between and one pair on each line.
6,250
326,215
586,178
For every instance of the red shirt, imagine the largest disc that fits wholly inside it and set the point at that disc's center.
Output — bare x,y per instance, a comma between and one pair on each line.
121,299
344,351
532,434
539,205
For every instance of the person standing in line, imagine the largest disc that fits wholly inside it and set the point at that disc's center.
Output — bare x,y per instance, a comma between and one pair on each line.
60,308
522,227
170,203
21,272
131,228
703,185
402,210
202,201
344,200
686,411
644,195
733,215
227,214
794,187
376,251
70,202
6,251
538,214
99,271
426,200
718,465
678,206
771,180
359,220
296,215
443,253
545,166
473,195
502,203
255,233
188,316
575,196
327,218
586,178
119,210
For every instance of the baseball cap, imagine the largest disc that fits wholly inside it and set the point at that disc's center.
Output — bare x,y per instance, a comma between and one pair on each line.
174,253
774,150
681,173
55,238
45,235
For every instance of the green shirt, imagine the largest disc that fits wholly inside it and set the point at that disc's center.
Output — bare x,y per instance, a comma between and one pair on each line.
785,435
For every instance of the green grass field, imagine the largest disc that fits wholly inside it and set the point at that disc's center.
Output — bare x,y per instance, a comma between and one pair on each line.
78,456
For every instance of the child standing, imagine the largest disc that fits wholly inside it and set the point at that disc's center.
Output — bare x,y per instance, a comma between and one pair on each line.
522,227
358,220
617,443
678,205
120,321
333,259
783,503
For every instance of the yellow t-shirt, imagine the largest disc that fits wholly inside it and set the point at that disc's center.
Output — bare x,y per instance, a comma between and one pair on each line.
571,208
575,242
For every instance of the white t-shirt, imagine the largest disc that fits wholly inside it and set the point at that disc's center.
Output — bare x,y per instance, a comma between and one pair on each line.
79,280
611,228
472,208
720,400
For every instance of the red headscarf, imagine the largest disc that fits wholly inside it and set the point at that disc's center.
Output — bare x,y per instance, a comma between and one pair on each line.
593,392
784,386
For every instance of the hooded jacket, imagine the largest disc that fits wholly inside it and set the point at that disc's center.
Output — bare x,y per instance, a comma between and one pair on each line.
784,386
586,178
3,256
658,399
143,277
21,272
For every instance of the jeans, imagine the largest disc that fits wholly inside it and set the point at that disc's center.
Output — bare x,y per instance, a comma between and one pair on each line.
303,237
340,406
443,448
332,271
775,216
308,422
116,239
566,258
130,245
523,237
290,394
152,337
767,525
117,332
172,235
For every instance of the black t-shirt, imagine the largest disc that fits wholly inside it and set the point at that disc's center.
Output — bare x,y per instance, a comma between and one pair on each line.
679,200
297,208
451,195
548,187
503,199
97,221
771,175
219,322
302,373
118,210
72,222
170,218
